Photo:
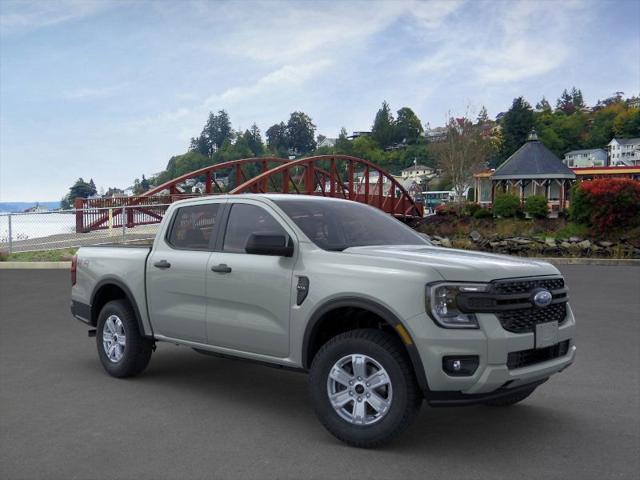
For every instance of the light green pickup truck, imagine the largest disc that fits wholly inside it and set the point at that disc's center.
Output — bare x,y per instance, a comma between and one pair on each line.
379,318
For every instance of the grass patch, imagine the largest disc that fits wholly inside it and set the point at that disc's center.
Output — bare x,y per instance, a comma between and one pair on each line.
62,255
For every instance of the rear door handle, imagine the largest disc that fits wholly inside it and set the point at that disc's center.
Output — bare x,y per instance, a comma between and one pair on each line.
162,264
222,268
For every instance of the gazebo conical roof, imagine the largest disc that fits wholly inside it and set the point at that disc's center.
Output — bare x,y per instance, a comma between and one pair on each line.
533,160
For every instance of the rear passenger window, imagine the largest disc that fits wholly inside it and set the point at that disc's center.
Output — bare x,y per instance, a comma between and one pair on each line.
244,220
194,227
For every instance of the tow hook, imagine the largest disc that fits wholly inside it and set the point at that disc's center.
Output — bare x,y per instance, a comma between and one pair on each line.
92,332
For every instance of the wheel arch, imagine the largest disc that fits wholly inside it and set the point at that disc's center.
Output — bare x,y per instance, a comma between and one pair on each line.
324,314
109,289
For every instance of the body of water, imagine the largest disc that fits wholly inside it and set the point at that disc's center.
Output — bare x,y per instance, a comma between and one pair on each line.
36,225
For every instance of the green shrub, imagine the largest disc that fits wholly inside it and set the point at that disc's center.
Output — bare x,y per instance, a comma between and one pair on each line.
469,209
506,205
536,206
483,213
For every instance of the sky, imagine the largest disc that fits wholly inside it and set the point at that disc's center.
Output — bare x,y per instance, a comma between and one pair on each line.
110,90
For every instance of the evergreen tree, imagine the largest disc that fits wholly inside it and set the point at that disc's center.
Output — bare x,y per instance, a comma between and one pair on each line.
543,106
216,131
382,130
576,99
343,144
253,139
517,123
483,116
277,140
565,103
301,133
408,126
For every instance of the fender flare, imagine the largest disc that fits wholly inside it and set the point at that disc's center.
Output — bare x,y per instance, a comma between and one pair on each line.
375,308
129,296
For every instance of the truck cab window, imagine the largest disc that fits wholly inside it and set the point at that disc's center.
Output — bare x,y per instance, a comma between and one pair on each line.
244,220
194,227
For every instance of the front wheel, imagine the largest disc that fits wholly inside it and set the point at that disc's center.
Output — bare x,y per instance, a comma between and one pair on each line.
363,387
122,349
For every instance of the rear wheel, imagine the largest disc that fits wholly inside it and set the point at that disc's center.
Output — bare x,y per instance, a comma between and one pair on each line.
509,400
122,349
363,387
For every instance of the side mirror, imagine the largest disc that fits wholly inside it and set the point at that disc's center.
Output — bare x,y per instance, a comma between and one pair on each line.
269,244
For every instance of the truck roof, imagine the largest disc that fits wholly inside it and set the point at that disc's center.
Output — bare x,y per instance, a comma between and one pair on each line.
269,196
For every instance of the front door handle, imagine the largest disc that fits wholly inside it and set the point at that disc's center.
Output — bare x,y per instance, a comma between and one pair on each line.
222,268
162,264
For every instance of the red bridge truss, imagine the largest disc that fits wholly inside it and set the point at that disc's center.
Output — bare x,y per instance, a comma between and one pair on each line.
338,176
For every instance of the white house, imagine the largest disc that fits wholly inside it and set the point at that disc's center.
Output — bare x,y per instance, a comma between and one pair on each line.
327,142
594,157
417,172
624,152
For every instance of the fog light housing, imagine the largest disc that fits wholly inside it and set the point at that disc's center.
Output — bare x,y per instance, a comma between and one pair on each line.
460,365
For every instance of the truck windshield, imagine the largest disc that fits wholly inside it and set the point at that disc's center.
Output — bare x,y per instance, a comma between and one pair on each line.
335,225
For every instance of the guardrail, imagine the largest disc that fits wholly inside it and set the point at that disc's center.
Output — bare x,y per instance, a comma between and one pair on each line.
33,231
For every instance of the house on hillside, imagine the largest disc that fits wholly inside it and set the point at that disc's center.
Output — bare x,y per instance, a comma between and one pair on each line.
532,170
358,134
593,157
327,142
624,152
435,135
419,173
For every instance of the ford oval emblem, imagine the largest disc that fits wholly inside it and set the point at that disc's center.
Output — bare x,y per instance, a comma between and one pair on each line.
542,298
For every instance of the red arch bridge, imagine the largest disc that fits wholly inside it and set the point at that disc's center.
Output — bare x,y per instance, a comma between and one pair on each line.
337,176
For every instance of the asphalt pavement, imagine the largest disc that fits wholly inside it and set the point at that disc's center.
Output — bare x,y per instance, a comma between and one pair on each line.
194,416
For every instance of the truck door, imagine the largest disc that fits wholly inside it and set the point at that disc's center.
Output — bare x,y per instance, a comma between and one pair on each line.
176,272
249,296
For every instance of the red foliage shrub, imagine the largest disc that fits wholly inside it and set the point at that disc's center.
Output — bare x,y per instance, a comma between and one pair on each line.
607,204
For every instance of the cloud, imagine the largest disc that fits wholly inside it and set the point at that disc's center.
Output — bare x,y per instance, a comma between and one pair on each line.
285,77
24,15
526,40
281,32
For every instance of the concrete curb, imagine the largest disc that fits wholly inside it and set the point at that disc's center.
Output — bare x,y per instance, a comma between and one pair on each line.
35,265
612,262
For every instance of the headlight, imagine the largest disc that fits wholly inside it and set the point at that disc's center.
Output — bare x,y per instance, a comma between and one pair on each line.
442,304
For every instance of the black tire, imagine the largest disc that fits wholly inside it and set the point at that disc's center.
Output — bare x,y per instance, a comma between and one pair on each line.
509,400
391,355
137,349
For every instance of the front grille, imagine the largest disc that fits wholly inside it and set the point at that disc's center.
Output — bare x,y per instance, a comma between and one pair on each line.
516,311
525,358
525,319
525,286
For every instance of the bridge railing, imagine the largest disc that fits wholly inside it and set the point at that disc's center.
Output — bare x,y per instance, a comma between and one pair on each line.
102,213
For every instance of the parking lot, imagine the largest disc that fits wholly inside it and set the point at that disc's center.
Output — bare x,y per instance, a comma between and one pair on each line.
193,416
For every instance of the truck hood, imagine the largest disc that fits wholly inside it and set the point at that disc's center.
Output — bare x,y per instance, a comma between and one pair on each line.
460,265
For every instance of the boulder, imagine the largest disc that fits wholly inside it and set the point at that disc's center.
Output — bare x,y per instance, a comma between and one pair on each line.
475,236
445,242
605,244
550,241
575,239
584,244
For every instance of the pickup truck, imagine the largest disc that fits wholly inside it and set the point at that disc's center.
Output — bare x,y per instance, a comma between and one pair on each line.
379,318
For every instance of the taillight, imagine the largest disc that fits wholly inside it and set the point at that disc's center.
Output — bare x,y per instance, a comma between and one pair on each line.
74,269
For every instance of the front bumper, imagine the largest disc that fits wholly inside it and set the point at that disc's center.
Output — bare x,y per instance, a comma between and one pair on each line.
492,344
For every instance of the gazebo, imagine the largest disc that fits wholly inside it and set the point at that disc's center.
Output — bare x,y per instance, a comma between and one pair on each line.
532,170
